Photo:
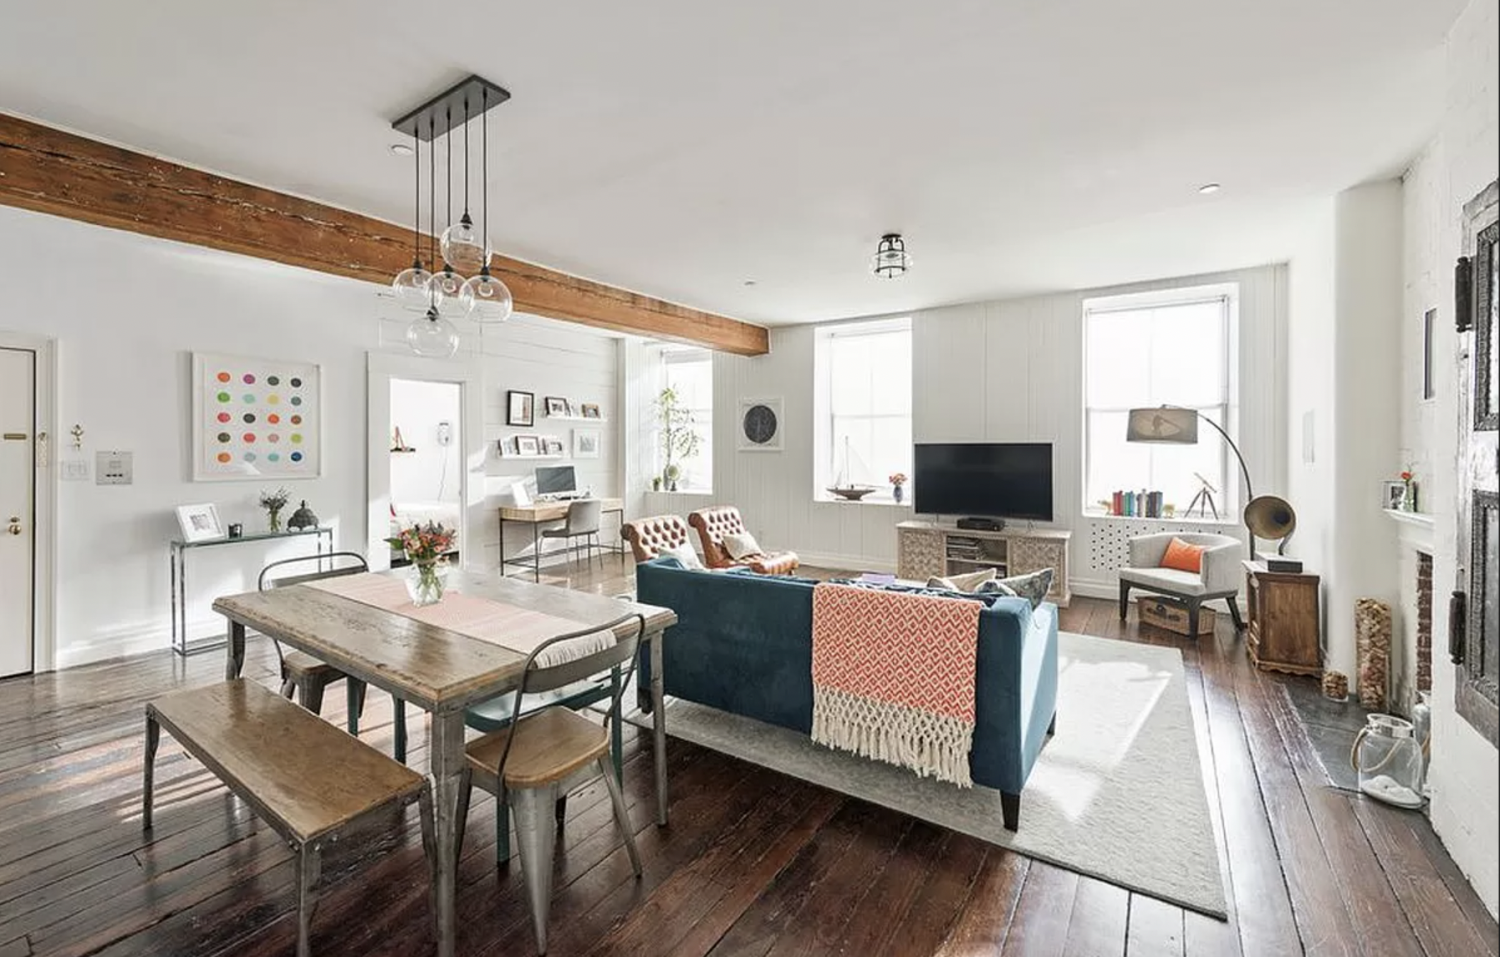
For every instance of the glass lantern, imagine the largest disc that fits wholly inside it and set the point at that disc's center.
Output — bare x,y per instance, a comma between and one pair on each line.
1388,758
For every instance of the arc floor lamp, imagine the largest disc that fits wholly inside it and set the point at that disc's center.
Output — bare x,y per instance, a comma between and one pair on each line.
1266,516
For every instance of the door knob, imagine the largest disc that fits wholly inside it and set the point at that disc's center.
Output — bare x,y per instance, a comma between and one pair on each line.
15,525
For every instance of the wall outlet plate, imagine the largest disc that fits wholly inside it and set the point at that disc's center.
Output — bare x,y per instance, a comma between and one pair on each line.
75,470
114,468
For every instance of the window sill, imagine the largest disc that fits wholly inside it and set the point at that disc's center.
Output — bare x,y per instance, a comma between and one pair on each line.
1176,520
681,491
886,502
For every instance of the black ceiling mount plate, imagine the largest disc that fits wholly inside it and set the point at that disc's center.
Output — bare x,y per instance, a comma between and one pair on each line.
446,110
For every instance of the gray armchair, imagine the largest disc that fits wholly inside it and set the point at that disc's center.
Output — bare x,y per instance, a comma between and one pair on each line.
1219,576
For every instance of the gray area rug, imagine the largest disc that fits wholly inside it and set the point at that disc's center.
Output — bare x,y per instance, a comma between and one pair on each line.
1117,793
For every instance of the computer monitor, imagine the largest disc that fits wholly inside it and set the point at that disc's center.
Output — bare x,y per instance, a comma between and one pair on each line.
555,480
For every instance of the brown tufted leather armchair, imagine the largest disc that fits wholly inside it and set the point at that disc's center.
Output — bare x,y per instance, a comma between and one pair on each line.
648,537
719,520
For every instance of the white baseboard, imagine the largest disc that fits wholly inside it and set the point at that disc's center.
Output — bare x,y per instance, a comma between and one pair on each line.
128,640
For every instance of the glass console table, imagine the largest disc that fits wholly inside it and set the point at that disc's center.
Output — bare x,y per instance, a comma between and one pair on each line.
178,555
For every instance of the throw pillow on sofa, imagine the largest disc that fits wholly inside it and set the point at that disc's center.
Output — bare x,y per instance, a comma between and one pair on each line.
967,582
1033,587
741,545
685,556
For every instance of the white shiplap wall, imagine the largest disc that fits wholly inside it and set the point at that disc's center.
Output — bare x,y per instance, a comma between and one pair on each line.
1005,370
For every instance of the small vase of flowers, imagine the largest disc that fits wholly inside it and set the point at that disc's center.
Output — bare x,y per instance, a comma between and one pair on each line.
1409,492
425,547
898,486
273,503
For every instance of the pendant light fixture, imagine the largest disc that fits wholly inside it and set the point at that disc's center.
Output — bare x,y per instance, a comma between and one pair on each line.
446,283
487,298
891,260
432,336
443,294
461,243
410,285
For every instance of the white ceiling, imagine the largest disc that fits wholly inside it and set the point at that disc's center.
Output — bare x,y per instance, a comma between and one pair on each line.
680,148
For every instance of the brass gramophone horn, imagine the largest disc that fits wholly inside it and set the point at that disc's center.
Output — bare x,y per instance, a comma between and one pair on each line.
1272,518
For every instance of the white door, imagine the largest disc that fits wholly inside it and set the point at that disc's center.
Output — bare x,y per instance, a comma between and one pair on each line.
17,473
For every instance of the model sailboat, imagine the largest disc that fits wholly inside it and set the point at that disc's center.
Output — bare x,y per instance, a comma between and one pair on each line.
844,488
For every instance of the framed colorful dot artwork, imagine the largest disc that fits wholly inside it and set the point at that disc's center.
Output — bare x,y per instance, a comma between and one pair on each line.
256,418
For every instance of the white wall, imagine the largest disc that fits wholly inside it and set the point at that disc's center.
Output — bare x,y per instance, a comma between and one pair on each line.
1008,370
431,473
1465,157
127,317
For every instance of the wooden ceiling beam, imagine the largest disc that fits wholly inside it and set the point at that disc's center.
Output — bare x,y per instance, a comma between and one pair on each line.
50,171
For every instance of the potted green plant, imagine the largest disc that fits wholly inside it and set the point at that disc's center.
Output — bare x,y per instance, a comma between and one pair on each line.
678,436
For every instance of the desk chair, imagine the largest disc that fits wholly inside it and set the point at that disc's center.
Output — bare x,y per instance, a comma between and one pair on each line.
582,522
547,753
306,677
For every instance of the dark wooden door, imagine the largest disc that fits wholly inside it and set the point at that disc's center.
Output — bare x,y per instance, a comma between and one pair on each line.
1476,645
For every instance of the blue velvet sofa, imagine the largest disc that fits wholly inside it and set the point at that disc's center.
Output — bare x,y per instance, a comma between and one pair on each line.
743,644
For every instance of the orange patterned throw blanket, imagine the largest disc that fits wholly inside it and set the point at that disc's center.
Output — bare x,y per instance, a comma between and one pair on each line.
893,678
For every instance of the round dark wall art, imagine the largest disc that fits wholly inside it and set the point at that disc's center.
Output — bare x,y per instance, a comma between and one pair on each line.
760,424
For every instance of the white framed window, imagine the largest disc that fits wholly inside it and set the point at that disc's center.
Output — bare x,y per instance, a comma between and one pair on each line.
689,374
863,404
1173,348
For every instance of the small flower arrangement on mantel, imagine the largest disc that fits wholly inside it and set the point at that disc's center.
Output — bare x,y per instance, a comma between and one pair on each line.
898,485
425,547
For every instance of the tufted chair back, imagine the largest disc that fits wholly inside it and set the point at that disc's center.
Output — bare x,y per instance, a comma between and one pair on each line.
713,524
648,537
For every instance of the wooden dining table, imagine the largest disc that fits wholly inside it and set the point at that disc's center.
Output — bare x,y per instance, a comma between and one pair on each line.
439,670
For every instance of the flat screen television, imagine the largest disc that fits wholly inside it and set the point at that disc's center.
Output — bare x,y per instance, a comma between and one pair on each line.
992,479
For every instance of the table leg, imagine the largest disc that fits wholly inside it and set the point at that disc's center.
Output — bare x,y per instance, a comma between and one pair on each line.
180,648
536,552
235,658
447,761
502,546
659,727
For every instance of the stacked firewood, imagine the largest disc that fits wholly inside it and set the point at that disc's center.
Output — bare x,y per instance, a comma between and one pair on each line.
1372,631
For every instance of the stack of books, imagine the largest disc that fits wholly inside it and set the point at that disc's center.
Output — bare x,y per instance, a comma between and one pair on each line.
1137,504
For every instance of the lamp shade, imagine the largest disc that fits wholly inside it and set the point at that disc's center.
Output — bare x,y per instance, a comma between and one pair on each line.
1161,424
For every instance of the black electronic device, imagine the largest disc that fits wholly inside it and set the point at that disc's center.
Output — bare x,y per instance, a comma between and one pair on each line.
556,480
981,524
989,479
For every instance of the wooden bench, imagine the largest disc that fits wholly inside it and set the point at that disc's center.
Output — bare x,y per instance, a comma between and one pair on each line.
306,778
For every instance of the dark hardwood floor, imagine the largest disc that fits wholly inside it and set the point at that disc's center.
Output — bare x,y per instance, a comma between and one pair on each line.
754,863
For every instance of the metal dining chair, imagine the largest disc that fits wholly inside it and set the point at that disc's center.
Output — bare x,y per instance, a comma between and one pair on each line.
304,676
582,522
542,756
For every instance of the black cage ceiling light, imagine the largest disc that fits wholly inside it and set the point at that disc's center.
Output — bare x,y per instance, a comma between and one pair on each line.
441,293
891,260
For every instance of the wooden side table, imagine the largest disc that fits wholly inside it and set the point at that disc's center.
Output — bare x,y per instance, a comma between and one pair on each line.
1283,632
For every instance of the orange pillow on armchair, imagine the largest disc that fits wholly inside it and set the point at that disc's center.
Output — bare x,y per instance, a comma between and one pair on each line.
1183,557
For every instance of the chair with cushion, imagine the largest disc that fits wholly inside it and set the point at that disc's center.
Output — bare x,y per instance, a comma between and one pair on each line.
649,537
304,676
721,522
536,760
1158,567
582,522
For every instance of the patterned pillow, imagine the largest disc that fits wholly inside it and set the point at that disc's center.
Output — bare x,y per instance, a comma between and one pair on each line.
967,582
741,545
1033,587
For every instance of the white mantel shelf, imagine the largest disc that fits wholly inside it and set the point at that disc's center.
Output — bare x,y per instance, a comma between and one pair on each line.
1416,527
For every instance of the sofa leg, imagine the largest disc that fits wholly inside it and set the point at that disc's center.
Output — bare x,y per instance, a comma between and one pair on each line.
1124,600
1052,728
1010,809
1234,613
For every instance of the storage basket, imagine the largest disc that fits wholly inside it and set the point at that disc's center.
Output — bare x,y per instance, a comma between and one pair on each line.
1172,615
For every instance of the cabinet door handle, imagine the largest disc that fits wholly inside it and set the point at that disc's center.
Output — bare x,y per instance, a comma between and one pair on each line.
1458,607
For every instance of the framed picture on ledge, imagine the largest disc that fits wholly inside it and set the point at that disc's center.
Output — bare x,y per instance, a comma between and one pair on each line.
520,408
199,522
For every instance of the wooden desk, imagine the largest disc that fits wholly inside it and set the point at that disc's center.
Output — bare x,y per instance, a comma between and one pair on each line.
540,513
438,670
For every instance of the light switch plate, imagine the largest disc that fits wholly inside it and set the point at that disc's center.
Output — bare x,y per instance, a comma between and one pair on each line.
113,468
75,470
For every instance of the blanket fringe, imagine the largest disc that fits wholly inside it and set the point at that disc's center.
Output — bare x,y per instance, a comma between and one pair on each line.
930,744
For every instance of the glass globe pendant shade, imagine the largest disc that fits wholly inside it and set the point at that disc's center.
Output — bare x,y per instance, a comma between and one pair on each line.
487,298
445,289
463,247
432,337
410,288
